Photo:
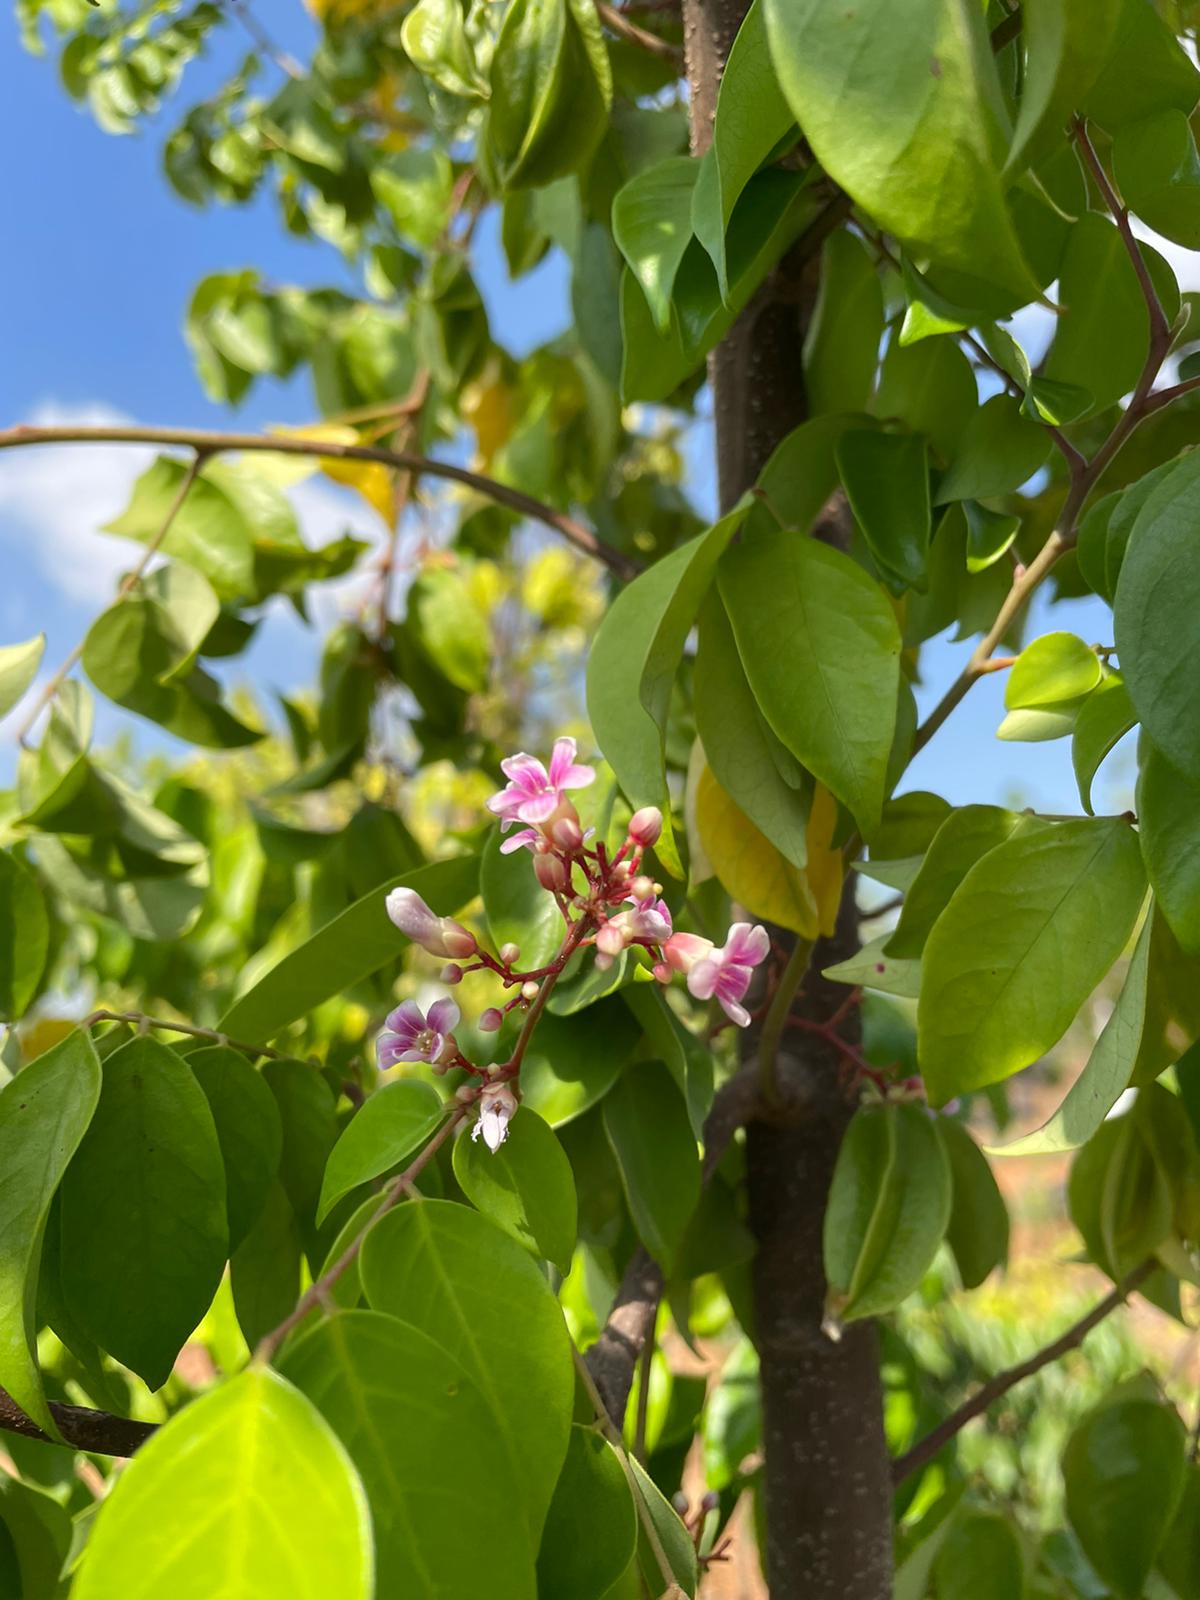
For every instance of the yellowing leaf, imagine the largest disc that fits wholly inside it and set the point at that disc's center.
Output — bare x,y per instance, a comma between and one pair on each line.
489,408
748,864
371,479
826,864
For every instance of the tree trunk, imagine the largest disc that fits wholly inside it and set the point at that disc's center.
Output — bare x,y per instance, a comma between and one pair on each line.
828,1487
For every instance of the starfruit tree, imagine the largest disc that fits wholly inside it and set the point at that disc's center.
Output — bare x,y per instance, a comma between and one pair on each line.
464,1038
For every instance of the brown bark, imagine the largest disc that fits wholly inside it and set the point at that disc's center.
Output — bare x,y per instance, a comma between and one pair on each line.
827,1481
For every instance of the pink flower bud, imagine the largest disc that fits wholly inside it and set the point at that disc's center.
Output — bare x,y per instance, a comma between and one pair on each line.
490,1020
458,941
603,961
566,832
610,939
643,888
529,991
451,973
510,953
550,873
464,1094
662,971
645,827
441,936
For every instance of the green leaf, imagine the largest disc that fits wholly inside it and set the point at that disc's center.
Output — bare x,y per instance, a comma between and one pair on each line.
978,1229
918,149
39,1532
1067,45
886,477
739,745
1106,1073
1147,71
1118,1196
652,227
644,1575
1027,936
632,666
989,535
1058,666
144,1234
1154,617
245,1491
1179,1554
572,1062
249,1132
1168,805
963,839
1037,724
841,346
752,120
18,668
460,1279
889,1206
307,1113
592,1527
264,1270
1000,449
647,1125
518,909
526,1187
411,1419
389,1126
1158,172
1103,335
24,936
801,473
44,1113
452,628
435,41
347,949
790,597
551,89
930,387
871,968
1103,720
982,1558
1124,1469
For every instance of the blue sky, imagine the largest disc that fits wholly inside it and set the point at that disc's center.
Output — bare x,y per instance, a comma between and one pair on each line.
101,261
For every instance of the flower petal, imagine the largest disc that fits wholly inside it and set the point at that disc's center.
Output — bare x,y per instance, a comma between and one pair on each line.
444,1016
538,806
702,979
561,758
527,838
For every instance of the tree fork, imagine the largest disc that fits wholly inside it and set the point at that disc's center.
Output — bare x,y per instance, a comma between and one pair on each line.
827,1481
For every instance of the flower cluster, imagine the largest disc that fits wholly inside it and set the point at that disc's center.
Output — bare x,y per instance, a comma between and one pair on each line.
608,904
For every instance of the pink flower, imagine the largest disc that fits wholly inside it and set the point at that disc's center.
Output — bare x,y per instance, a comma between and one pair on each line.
726,973
649,922
497,1107
441,936
532,794
410,1036
683,950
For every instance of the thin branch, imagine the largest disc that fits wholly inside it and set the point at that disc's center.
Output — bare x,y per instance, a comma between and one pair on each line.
925,1449
643,1405
1160,329
398,1189
98,1432
616,22
613,1357
1005,32
139,1019
211,442
286,63
1163,397
128,584
791,978
406,484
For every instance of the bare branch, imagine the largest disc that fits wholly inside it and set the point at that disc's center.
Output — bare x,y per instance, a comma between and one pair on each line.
140,1020
98,1432
925,1449
616,22
614,1356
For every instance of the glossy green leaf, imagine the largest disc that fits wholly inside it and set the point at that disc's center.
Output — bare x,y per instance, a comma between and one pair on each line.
739,745
644,1574
981,1559
1158,172
592,1526
389,1126
1147,71
44,1113
1179,1554
1037,724
1103,336
1027,936
1168,805
1103,720
435,40
966,835
1119,1197
651,1136
551,89
38,1531
310,1131
841,346
978,1228
525,1186
245,1492
930,387
1000,449
1154,614
989,535
872,968
1068,43
1058,666
632,667
652,227
918,150
460,1279
264,1270
1106,1073
18,668
249,1132
24,936
452,628
410,1418
835,709
1124,1469
572,1062
348,948
888,1210
144,1232
518,909
886,477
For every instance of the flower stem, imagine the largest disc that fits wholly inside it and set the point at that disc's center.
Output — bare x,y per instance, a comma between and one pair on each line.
781,1003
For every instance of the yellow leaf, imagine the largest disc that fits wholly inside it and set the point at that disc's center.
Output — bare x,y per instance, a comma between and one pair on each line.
371,479
488,407
826,865
750,868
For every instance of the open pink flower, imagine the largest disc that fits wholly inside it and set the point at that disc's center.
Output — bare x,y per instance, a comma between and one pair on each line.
532,794
649,921
411,1036
726,973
